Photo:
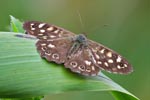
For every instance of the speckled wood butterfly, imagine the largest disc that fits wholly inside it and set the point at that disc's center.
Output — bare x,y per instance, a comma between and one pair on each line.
76,52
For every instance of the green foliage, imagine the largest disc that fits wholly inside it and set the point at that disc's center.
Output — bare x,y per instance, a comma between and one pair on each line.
16,25
23,74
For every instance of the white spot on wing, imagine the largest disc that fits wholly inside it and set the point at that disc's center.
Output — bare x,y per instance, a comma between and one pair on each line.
125,65
119,59
87,62
56,31
118,67
41,25
43,44
51,46
109,54
106,64
52,36
32,29
110,60
97,56
99,62
102,51
44,37
40,34
42,31
50,28
93,68
31,24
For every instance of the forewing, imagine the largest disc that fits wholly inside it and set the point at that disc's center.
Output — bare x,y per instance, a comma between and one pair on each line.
45,31
81,62
54,49
109,60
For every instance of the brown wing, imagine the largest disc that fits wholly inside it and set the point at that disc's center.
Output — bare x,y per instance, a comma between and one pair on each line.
82,63
109,60
54,49
45,31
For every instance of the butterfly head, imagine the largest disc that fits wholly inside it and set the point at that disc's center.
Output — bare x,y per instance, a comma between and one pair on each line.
81,38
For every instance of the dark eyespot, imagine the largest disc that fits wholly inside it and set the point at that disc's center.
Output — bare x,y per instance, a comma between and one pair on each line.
121,64
82,67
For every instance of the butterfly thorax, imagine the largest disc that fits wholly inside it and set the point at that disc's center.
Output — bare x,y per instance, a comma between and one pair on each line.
79,43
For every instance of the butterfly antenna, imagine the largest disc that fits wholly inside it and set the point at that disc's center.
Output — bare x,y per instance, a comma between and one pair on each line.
81,22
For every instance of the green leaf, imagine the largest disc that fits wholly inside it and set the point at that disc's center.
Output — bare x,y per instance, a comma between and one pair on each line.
16,25
24,74
33,98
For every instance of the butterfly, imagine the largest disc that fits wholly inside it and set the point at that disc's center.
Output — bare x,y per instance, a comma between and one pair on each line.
76,52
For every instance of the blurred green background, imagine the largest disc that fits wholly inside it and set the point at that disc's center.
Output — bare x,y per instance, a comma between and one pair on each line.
123,25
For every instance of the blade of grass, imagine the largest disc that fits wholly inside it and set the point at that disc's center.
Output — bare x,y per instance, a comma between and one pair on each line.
24,74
